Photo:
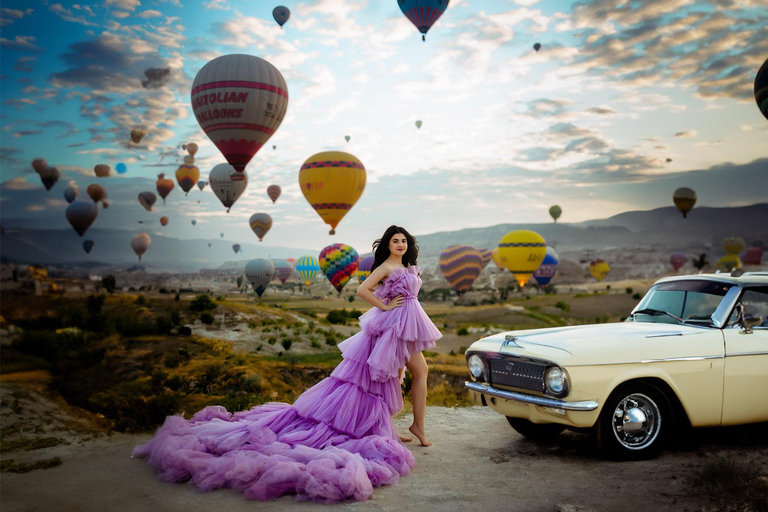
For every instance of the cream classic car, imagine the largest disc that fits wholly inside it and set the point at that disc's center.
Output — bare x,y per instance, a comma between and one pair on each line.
693,352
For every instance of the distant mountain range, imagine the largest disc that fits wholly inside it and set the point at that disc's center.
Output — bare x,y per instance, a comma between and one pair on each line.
663,230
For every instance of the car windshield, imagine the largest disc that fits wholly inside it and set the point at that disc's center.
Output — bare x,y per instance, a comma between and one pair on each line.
691,301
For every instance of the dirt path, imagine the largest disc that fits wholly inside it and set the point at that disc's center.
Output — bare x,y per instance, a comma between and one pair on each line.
478,462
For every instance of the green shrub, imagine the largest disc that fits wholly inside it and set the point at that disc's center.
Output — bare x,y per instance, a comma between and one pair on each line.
202,303
636,296
563,305
140,300
315,344
462,331
109,283
286,343
171,361
628,290
337,316
351,298
272,340
253,383
206,318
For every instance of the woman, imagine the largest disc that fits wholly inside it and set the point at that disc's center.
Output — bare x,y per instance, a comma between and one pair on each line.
337,440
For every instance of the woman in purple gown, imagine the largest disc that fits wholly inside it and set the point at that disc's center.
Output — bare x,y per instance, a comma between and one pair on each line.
338,439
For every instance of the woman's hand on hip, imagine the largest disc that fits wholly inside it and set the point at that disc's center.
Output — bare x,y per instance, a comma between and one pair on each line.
395,303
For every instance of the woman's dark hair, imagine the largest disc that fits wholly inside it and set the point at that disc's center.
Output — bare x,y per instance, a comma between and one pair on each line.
381,247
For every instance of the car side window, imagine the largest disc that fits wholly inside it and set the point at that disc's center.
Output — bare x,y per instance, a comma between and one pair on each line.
755,301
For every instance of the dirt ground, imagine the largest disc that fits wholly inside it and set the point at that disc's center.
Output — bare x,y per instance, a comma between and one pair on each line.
477,462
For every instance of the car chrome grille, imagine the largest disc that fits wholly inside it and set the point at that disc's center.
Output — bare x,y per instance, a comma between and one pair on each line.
517,374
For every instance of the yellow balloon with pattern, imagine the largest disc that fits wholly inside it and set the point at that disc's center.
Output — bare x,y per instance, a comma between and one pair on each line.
729,263
332,182
599,269
522,252
187,176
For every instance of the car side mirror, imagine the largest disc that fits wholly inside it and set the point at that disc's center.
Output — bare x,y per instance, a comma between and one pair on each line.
748,318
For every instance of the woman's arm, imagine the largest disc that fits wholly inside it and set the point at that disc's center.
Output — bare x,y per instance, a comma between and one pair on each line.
365,290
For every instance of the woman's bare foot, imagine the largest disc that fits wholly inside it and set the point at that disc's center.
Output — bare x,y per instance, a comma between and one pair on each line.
406,439
419,435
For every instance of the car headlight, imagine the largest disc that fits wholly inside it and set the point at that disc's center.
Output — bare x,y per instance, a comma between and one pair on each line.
475,365
555,380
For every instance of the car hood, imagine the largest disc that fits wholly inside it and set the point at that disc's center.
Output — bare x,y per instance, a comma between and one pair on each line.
605,343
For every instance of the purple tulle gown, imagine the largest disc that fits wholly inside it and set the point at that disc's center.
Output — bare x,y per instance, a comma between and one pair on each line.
334,443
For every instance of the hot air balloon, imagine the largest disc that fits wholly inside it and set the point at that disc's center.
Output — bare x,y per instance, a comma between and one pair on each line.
260,224
189,160
193,221
102,170
236,248
418,124
496,257
733,244
555,212
192,149
522,252
273,191
537,47
423,13
39,165
87,246
307,267
599,269
548,268
239,101
164,186
274,147
259,273
281,15
485,255
677,260
332,182
209,244
140,244
669,160
164,221
460,265
292,261
227,184
201,185
728,263
121,168
283,270
364,268
81,215
147,199
137,134
49,176
761,89
221,235
70,193
187,175
753,256
684,199
339,263
97,193
347,138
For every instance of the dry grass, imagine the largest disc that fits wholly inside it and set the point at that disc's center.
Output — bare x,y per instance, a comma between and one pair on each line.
734,484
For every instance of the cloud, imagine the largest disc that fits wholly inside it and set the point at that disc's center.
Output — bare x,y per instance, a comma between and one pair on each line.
150,14
218,4
22,64
686,134
125,5
8,16
68,15
21,43
156,77
26,133
9,156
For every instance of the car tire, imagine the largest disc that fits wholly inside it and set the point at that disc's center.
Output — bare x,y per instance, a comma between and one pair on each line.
536,431
634,422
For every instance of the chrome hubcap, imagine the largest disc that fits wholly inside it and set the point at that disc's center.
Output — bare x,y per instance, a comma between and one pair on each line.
636,421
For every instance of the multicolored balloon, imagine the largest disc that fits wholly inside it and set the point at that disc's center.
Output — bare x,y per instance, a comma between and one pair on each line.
227,184
147,199
239,102
164,186
339,263
418,124
496,257
260,224
140,244
460,265
81,215
761,89
537,47
281,15
677,260
364,268
548,268
423,13
728,263
292,261
187,175
332,182
283,270
307,267
259,273
599,269
274,191
486,256
684,198
522,252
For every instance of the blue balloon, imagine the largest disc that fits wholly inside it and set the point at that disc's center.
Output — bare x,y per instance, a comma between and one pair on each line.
121,168
423,13
547,269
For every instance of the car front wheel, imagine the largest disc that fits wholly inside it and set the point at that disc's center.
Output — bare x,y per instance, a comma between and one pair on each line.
535,431
634,422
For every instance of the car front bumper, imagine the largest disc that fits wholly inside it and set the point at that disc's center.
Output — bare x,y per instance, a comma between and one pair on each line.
550,403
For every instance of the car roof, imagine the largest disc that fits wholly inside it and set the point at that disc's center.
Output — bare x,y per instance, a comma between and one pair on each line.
745,279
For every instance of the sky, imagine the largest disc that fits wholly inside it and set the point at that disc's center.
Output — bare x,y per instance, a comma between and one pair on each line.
588,122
